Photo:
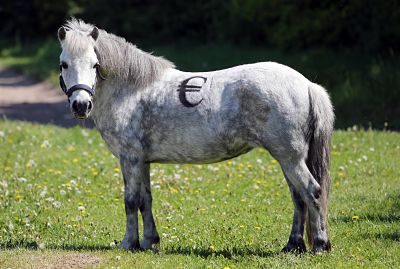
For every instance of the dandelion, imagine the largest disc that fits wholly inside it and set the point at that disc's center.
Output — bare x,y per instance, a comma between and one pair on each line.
212,248
30,163
71,148
354,218
117,170
45,144
74,160
173,190
274,161
227,267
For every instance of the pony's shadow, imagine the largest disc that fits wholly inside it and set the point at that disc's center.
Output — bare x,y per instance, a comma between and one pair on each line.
226,253
180,250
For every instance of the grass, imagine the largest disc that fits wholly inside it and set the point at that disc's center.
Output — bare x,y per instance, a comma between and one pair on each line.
364,87
61,196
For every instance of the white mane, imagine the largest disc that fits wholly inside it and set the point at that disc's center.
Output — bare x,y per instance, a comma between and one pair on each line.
117,57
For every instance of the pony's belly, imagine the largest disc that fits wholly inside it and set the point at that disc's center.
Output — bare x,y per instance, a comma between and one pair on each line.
196,155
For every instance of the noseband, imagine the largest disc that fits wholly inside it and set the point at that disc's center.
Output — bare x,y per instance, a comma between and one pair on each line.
88,89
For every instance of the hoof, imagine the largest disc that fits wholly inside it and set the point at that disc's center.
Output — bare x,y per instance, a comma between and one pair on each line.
320,247
131,246
153,244
295,247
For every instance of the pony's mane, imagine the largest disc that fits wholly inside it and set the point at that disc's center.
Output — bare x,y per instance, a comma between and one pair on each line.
117,57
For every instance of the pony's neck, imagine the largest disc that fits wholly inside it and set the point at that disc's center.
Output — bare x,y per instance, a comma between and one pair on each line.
122,60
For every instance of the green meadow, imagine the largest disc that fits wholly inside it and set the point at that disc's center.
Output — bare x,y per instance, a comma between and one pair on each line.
61,205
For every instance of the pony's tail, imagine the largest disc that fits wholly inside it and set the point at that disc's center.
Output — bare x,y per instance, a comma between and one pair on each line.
320,127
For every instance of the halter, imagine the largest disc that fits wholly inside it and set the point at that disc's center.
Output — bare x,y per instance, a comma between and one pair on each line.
88,89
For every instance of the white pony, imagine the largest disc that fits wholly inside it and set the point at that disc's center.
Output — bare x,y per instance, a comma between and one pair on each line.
147,111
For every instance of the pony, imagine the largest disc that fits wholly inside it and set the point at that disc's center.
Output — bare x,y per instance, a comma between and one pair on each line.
147,111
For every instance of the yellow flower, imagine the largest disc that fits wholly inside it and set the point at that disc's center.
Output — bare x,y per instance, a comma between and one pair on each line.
173,190
116,170
354,218
212,248
74,160
227,267
274,161
71,148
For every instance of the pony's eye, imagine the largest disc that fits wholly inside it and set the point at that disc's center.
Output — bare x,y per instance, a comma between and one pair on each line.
64,65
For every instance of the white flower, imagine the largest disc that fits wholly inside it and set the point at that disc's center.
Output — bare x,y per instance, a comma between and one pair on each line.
62,192
44,191
81,208
72,182
57,204
1,134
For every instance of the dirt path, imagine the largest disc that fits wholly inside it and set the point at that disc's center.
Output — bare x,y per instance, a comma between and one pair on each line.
24,98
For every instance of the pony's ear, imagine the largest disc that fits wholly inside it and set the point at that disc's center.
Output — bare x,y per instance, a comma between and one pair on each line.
61,33
95,33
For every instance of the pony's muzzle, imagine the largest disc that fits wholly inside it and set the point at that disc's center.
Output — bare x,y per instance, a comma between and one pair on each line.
81,109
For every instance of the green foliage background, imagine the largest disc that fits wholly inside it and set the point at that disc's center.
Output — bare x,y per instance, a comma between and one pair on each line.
369,25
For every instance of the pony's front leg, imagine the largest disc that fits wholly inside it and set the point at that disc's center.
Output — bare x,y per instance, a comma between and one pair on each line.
133,172
151,238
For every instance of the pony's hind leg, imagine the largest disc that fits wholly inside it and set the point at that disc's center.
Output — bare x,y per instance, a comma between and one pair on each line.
310,191
296,241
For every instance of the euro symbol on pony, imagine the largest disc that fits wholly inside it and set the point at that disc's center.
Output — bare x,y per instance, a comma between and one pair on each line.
183,88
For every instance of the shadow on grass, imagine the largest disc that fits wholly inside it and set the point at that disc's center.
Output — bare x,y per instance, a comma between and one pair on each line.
385,211
227,253
180,250
391,236
386,218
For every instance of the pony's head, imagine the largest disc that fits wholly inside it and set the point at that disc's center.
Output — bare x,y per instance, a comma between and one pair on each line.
79,68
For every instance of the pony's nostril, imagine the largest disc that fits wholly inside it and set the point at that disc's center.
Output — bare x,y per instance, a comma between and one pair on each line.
81,108
90,106
75,106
